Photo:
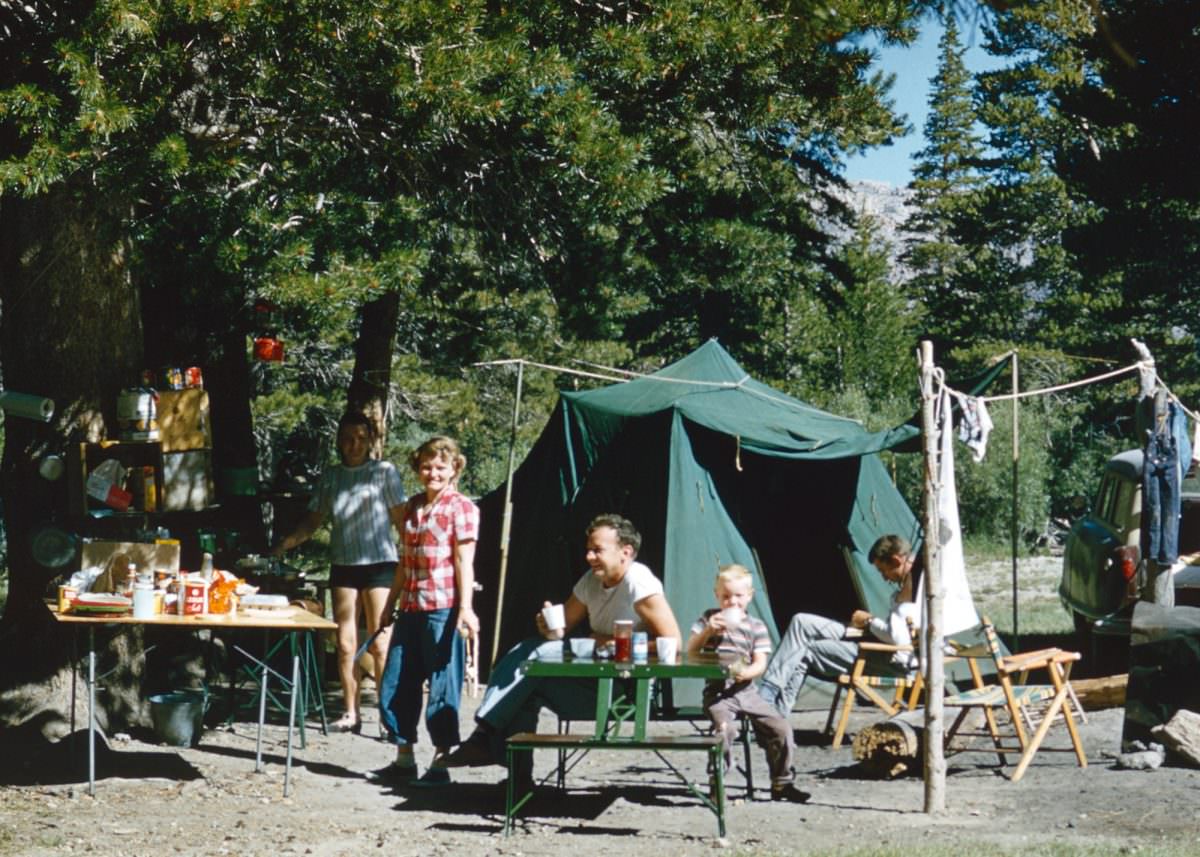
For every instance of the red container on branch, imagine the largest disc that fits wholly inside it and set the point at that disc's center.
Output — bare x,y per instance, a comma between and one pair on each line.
268,348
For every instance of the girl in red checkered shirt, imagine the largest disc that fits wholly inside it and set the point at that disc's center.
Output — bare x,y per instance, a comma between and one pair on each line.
431,597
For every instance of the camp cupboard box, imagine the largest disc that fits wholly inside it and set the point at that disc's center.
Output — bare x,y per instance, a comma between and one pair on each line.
183,420
147,556
187,480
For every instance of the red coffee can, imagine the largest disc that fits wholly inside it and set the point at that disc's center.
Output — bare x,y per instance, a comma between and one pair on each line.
192,377
268,348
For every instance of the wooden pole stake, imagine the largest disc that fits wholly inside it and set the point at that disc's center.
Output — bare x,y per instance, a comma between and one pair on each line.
507,523
931,632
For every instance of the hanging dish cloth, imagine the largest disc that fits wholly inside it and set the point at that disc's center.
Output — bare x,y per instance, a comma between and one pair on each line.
974,426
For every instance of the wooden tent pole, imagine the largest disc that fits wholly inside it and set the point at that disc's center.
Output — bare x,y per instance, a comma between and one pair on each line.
507,522
935,757
1016,486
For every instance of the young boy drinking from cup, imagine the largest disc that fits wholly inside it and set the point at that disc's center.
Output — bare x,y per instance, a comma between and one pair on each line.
729,630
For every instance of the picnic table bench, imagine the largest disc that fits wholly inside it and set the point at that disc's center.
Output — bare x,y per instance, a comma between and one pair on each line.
613,712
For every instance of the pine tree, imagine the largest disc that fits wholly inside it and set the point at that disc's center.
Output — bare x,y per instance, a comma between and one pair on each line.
1137,165
875,325
1028,208
945,188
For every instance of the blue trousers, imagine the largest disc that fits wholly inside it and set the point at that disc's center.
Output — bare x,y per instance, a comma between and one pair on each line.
512,700
811,643
425,646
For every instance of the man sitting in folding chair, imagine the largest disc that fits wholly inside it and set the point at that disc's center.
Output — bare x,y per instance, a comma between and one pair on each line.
816,644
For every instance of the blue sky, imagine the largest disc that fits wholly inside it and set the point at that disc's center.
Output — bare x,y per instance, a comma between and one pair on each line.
913,66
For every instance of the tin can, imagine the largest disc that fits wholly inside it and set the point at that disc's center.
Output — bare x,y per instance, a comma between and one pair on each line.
193,597
172,378
641,647
192,377
66,597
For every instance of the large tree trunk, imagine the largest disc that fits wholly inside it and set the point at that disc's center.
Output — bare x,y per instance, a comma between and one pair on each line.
70,330
198,317
235,455
368,391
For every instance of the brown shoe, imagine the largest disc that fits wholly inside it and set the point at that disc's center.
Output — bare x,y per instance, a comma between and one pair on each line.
472,753
789,793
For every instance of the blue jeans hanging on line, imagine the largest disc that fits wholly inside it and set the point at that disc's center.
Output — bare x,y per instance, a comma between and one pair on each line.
1160,499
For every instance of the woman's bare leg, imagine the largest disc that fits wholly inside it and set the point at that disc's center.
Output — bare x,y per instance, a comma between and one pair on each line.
345,613
373,601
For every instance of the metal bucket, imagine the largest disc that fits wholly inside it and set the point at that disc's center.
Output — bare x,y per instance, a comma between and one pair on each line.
178,717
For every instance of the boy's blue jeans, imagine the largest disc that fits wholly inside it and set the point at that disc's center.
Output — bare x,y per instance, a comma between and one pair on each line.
424,646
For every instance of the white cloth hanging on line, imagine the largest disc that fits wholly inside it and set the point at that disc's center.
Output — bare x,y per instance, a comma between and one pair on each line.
958,612
974,425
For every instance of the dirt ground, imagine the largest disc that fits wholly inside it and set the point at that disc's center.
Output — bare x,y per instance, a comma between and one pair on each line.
156,800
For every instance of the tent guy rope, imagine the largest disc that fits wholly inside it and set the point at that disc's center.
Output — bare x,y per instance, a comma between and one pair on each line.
630,375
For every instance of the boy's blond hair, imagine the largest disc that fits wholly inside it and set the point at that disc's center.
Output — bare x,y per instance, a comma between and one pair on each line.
734,572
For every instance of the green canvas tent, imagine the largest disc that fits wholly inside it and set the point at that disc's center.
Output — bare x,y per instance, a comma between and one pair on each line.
712,467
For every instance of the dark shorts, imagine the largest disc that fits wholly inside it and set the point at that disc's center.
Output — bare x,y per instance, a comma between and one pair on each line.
378,575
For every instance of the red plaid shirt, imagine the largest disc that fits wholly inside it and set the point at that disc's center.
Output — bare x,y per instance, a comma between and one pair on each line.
430,536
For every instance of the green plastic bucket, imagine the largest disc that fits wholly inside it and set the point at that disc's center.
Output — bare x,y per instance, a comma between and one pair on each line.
178,717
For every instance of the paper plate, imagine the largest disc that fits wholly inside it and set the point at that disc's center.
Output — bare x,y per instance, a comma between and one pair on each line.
102,601
264,601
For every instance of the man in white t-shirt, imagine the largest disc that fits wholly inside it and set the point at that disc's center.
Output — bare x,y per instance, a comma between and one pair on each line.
617,587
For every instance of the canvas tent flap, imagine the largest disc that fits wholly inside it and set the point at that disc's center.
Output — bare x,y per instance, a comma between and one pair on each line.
700,535
712,467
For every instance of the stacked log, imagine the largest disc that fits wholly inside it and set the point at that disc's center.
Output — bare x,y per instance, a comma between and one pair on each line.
894,747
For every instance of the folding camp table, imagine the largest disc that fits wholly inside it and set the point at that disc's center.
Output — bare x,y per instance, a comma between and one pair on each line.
292,621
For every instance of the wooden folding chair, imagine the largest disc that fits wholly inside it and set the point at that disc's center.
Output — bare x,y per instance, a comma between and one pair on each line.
873,674
1030,708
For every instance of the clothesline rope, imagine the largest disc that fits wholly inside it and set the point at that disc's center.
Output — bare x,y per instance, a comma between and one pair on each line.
1095,379
568,371
1175,398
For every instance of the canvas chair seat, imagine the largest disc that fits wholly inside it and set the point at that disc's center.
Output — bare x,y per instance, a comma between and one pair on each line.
874,671
993,695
